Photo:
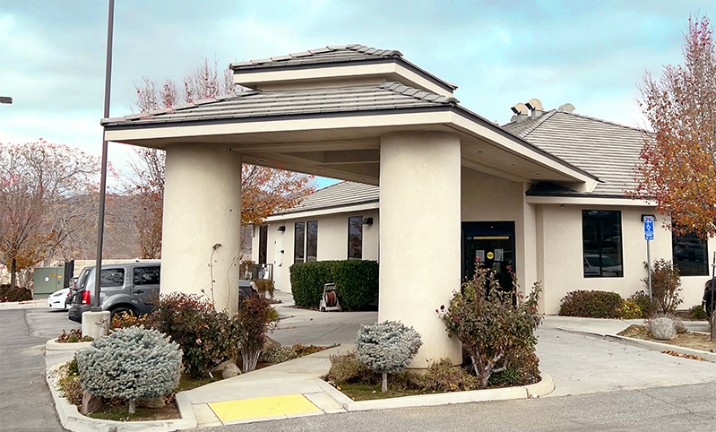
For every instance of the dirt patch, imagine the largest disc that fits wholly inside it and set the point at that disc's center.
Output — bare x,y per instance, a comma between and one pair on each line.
691,340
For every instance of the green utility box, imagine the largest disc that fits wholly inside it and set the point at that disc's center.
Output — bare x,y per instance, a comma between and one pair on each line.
48,279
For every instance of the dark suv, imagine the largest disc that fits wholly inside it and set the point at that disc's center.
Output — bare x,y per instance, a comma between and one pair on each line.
131,287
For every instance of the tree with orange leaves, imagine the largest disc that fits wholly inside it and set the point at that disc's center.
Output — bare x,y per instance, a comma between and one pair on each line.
678,168
264,191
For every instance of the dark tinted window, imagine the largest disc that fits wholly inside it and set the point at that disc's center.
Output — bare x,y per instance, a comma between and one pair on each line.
690,255
299,237
311,241
263,243
112,277
146,275
355,237
602,243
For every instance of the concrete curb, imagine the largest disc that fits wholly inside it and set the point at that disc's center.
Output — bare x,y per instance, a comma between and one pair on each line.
27,304
658,346
72,420
542,388
53,345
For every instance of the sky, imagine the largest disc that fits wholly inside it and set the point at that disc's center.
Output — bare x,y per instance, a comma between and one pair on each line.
593,54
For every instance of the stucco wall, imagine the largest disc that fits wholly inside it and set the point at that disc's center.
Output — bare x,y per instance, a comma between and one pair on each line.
332,242
562,255
486,198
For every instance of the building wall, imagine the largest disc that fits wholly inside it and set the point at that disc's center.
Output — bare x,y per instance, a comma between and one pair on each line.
560,252
487,198
332,242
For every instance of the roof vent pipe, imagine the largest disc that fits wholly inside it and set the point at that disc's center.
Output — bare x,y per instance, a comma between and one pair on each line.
535,107
521,111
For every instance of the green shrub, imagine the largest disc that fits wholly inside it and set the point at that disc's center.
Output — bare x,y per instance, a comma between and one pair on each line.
130,363
307,282
8,294
630,310
592,304
387,347
665,286
346,368
697,313
207,337
647,305
252,322
494,329
356,283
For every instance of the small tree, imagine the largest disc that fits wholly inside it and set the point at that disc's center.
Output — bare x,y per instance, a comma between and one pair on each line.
678,168
254,320
130,363
387,347
665,286
493,330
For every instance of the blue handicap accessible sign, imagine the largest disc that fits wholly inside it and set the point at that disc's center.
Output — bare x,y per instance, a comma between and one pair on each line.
649,227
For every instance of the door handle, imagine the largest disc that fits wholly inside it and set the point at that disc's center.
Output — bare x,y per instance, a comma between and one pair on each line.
139,291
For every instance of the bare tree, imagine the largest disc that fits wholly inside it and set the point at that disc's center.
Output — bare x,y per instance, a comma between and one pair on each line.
264,190
36,180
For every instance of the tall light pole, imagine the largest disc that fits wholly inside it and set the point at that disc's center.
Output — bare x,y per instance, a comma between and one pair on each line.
103,174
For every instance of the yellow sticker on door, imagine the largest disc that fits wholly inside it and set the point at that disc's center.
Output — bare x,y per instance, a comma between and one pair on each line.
490,255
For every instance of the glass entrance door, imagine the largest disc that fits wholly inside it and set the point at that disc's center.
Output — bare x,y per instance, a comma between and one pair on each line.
490,245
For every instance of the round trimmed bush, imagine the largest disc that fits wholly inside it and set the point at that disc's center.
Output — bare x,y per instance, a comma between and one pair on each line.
130,363
592,304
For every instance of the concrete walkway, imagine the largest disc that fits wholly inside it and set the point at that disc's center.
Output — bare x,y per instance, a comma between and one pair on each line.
579,355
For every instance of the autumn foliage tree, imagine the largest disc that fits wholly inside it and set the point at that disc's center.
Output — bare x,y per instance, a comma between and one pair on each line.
678,167
263,190
39,185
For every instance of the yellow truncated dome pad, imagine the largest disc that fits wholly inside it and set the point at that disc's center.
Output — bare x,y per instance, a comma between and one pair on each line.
270,406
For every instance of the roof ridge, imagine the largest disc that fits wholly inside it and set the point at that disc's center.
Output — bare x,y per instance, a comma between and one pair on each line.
538,122
613,123
424,95
363,49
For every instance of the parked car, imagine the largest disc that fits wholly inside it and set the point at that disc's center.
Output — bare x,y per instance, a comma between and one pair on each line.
706,302
132,288
610,267
59,299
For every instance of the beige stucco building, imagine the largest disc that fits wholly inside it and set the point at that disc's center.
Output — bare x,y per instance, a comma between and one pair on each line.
531,197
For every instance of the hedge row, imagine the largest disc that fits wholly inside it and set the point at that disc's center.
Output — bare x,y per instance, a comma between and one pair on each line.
356,283
18,294
602,304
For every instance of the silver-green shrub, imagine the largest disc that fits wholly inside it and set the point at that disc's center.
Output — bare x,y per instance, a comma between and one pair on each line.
387,347
130,363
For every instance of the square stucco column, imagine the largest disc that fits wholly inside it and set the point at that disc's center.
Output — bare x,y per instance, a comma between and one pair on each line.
201,247
420,236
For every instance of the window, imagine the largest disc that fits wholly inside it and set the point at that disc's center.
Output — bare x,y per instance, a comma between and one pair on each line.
311,241
305,242
690,255
355,237
299,242
146,275
602,243
263,243
111,277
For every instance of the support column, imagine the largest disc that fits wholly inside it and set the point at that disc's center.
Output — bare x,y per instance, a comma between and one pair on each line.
201,247
420,236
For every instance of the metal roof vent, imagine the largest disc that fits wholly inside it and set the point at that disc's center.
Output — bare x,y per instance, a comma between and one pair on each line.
521,112
568,108
535,107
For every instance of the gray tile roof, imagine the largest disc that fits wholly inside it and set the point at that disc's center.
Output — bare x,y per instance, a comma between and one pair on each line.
333,56
341,194
329,54
607,150
254,104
